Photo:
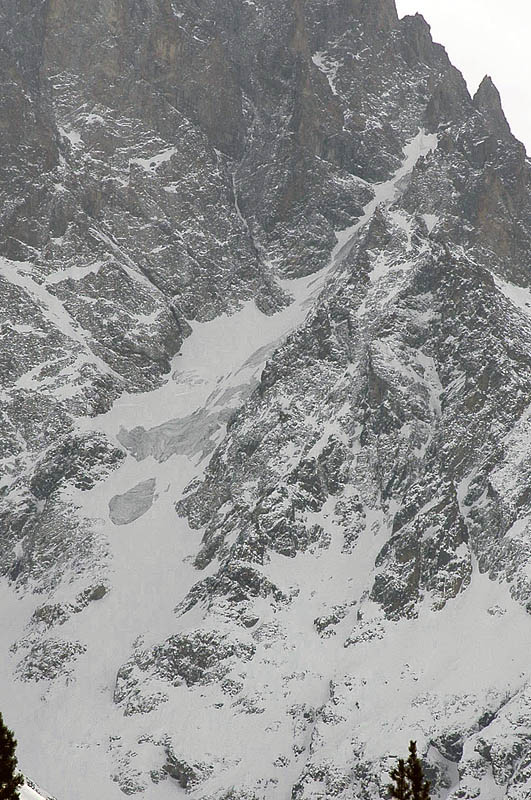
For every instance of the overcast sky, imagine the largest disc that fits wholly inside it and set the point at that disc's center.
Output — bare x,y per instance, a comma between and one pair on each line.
487,37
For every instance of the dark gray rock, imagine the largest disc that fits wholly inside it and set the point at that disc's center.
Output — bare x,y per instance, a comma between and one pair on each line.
79,460
49,660
487,100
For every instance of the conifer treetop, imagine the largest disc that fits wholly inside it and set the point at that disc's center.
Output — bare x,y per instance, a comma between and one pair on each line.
10,779
408,781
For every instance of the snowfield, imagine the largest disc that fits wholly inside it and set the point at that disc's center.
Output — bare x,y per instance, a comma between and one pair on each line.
265,421
151,556
421,678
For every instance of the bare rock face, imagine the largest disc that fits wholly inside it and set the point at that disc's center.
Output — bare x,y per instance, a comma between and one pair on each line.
265,376
488,101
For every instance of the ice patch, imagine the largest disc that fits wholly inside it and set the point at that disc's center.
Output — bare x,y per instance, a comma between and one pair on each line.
73,273
73,137
431,221
328,67
125,508
152,163
518,295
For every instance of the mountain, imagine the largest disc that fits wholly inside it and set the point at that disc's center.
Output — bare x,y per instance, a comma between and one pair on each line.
266,450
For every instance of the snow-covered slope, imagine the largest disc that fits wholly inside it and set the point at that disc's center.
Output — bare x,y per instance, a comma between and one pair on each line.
265,405
30,791
148,566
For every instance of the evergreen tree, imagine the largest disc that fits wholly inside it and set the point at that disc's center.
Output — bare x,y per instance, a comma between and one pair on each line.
408,778
400,788
10,779
420,788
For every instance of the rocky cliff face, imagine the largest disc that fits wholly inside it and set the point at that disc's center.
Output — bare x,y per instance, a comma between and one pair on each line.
264,274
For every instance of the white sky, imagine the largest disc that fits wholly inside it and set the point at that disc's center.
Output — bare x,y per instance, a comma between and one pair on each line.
486,37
